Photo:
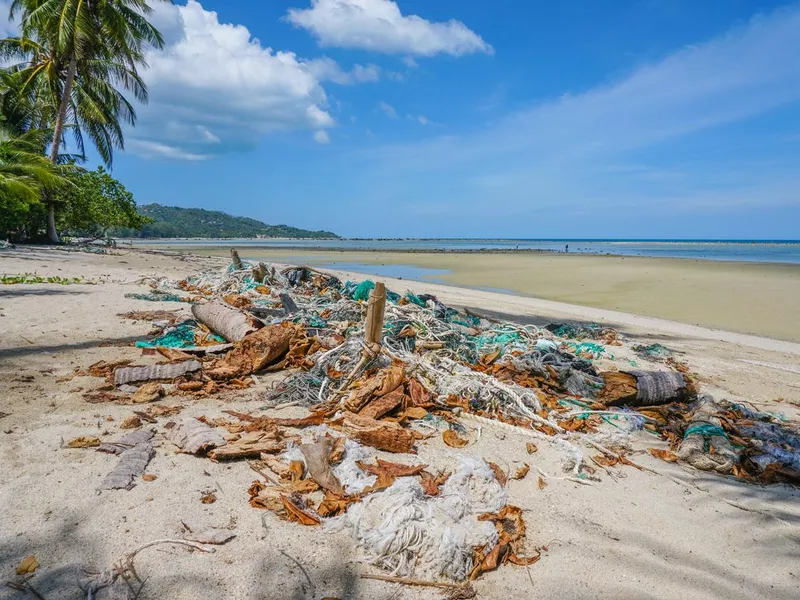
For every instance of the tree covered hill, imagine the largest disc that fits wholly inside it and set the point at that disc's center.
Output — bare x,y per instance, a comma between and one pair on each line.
172,221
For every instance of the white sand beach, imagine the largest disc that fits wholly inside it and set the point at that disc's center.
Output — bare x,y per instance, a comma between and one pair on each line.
673,533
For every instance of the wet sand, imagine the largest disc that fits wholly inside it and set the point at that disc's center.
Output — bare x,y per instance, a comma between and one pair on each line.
754,298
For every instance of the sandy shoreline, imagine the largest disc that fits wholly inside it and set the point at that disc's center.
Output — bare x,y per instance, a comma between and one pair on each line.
639,535
752,298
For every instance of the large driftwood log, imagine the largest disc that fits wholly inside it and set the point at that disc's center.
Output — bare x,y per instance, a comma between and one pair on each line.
644,388
223,319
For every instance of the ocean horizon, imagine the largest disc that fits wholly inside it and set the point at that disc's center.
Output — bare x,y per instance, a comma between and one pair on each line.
762,251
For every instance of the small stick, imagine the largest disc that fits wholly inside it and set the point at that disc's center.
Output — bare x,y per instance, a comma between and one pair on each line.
297,562
421,582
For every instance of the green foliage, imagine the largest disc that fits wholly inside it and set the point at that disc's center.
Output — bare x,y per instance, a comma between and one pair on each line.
172,221
95,203
24,174
33,278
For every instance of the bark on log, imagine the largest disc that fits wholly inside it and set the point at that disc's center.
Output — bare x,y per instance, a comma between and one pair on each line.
237,262
376,308
230,323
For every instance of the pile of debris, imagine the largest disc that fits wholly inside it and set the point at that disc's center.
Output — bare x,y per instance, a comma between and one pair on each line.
380,372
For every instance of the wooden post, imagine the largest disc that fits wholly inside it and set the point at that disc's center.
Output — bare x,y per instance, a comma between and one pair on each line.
237,262
376,307
260,272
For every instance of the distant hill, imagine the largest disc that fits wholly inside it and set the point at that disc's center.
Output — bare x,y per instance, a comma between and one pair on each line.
172,221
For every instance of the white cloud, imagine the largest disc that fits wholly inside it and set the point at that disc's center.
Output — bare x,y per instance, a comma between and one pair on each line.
327,69
149,149
423,120
215,88
379,26
322,137
410,62
388,109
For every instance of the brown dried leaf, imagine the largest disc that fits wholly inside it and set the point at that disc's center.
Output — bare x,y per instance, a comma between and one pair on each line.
664,455
431,483
499,474
531,447
83,442
28,565
149,392
295,513
542,483
452,439
415,412
521,472
173,354
333,505
130,422
208,498
337,451
381,405
149,477
419,395
383,435
296,470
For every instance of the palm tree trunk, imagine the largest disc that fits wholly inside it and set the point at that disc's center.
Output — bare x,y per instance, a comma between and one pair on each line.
58,131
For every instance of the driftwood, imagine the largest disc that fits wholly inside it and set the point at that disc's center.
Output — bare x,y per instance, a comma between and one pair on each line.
383,435
288,304
260,272
644,388
194,436
376,308
237,262
132,463
253,353
250,445
380,406
123,375
223,319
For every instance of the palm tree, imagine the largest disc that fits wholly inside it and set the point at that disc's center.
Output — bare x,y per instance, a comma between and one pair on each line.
78,53
24,171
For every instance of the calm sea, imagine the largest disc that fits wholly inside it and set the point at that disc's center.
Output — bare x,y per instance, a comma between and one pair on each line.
775,251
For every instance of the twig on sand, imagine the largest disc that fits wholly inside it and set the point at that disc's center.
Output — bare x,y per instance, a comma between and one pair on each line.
125,568
25,586
300,566
420,582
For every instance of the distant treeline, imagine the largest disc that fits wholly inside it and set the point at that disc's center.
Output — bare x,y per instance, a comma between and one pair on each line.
173,222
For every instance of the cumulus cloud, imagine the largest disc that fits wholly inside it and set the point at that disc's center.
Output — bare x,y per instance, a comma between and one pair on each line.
388,109
379,26
327,69
215,88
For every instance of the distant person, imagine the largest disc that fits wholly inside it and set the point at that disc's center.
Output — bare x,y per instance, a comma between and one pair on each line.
566,248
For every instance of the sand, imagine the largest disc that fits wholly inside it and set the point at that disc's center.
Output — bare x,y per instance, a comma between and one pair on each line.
755,298
681,534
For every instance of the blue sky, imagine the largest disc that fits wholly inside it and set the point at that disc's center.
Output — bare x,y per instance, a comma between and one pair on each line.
648,118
